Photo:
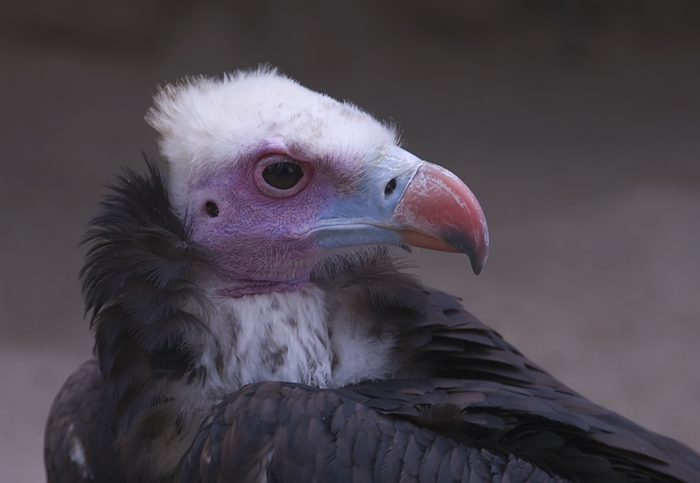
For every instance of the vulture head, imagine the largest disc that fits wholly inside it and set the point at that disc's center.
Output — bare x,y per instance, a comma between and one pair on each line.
271,177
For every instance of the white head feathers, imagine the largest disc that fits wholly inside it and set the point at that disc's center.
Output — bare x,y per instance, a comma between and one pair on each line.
209,124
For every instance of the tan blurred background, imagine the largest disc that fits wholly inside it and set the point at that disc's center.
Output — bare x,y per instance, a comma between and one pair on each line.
575,122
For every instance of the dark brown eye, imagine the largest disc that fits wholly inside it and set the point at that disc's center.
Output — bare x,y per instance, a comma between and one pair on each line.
212,209
282,176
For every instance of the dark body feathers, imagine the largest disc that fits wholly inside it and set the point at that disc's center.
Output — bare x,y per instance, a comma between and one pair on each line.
79,441
139,287
464,405
432,429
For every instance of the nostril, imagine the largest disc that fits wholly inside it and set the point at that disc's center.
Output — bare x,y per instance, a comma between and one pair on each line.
212,209
390,187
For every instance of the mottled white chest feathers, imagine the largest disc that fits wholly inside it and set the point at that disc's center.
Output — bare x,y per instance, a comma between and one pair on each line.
292,337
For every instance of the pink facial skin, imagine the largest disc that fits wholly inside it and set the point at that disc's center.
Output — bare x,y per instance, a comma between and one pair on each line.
266,239
257,237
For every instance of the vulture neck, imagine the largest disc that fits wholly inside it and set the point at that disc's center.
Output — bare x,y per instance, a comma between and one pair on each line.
310,336
280,336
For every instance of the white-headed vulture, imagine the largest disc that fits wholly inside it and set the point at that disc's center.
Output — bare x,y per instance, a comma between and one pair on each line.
252,321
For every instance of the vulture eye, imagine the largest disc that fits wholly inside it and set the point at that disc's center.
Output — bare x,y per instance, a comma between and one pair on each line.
282,176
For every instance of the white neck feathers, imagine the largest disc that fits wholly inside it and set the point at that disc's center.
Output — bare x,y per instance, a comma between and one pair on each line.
293,337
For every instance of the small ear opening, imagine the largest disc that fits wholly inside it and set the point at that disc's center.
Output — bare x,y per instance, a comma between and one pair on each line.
212,209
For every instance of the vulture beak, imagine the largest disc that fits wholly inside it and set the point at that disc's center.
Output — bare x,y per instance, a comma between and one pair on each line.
401,199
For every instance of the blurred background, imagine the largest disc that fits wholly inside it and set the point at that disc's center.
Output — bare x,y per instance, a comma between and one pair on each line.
575,122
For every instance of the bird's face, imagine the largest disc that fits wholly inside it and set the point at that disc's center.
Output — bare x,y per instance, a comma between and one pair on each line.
271,177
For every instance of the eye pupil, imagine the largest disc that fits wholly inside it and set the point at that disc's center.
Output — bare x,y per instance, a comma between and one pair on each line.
283,175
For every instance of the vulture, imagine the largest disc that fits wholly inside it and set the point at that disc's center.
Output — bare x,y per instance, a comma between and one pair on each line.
253,320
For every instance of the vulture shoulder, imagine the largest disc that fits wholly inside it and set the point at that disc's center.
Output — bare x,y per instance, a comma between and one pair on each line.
276,431
484,414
